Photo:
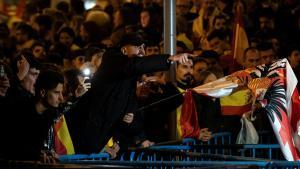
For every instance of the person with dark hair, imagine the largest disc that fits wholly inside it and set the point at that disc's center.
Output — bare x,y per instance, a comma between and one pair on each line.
294,60
32,119
89,33
25,36
43,25
66,36
26,70
63,7
55,58
200,65
251,57
126,17
267,53
38,50
112,96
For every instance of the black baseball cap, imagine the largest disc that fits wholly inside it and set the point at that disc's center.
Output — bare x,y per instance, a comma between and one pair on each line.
134,39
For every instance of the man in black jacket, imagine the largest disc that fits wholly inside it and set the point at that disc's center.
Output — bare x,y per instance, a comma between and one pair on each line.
111,96
28,125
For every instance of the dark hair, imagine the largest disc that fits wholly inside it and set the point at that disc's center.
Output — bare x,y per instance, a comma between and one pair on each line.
37,43
182,45
293,47
129,14
48,80
265,46
55,58
153,16
27,29
77,53
209,54
63,6
34,63
45,21
91,51
67,30
266,12
249,49
72,81
219,17
216,34
199,60
92,30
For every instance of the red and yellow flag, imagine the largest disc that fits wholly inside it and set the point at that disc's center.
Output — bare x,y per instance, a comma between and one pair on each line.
63,144
240,39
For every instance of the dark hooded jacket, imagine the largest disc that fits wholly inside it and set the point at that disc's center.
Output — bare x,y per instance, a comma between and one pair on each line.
97,113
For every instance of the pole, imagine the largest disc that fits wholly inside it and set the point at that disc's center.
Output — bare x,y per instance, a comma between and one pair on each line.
170,48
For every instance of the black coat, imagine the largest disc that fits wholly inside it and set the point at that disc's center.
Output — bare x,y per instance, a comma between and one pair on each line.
97,113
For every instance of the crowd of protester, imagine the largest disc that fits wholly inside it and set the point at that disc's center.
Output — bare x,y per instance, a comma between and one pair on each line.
63,61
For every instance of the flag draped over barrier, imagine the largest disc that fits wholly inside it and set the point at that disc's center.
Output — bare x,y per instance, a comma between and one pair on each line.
274,87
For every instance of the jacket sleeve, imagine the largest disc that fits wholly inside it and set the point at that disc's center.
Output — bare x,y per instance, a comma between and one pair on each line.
115,65
149,64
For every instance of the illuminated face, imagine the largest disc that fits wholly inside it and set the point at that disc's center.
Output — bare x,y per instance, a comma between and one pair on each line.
132,50
294,58
209,5
182,7
266,23
198,68
267,56
38,52
220,24
65,39
21,37
29,80
184,72
152,50
252,59
145,19
217,45
54,96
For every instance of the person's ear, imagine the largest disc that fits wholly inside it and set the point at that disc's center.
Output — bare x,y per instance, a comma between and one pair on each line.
43,93
124,51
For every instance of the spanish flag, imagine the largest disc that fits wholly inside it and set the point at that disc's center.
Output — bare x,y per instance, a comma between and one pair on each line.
63,144
240,39
237,103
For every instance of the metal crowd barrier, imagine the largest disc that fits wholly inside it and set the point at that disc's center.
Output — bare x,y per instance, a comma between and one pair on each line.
218,152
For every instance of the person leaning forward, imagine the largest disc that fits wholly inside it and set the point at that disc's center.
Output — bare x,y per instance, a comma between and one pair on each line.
112,95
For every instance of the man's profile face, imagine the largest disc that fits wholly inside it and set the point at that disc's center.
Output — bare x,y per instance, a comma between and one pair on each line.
294,58
267,56
132,50
252,59
29,80
54,96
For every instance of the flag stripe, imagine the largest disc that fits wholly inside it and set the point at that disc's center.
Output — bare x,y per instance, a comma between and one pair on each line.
235,110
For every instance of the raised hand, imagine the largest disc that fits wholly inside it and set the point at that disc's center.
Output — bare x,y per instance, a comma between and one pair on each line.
23,68
182,58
